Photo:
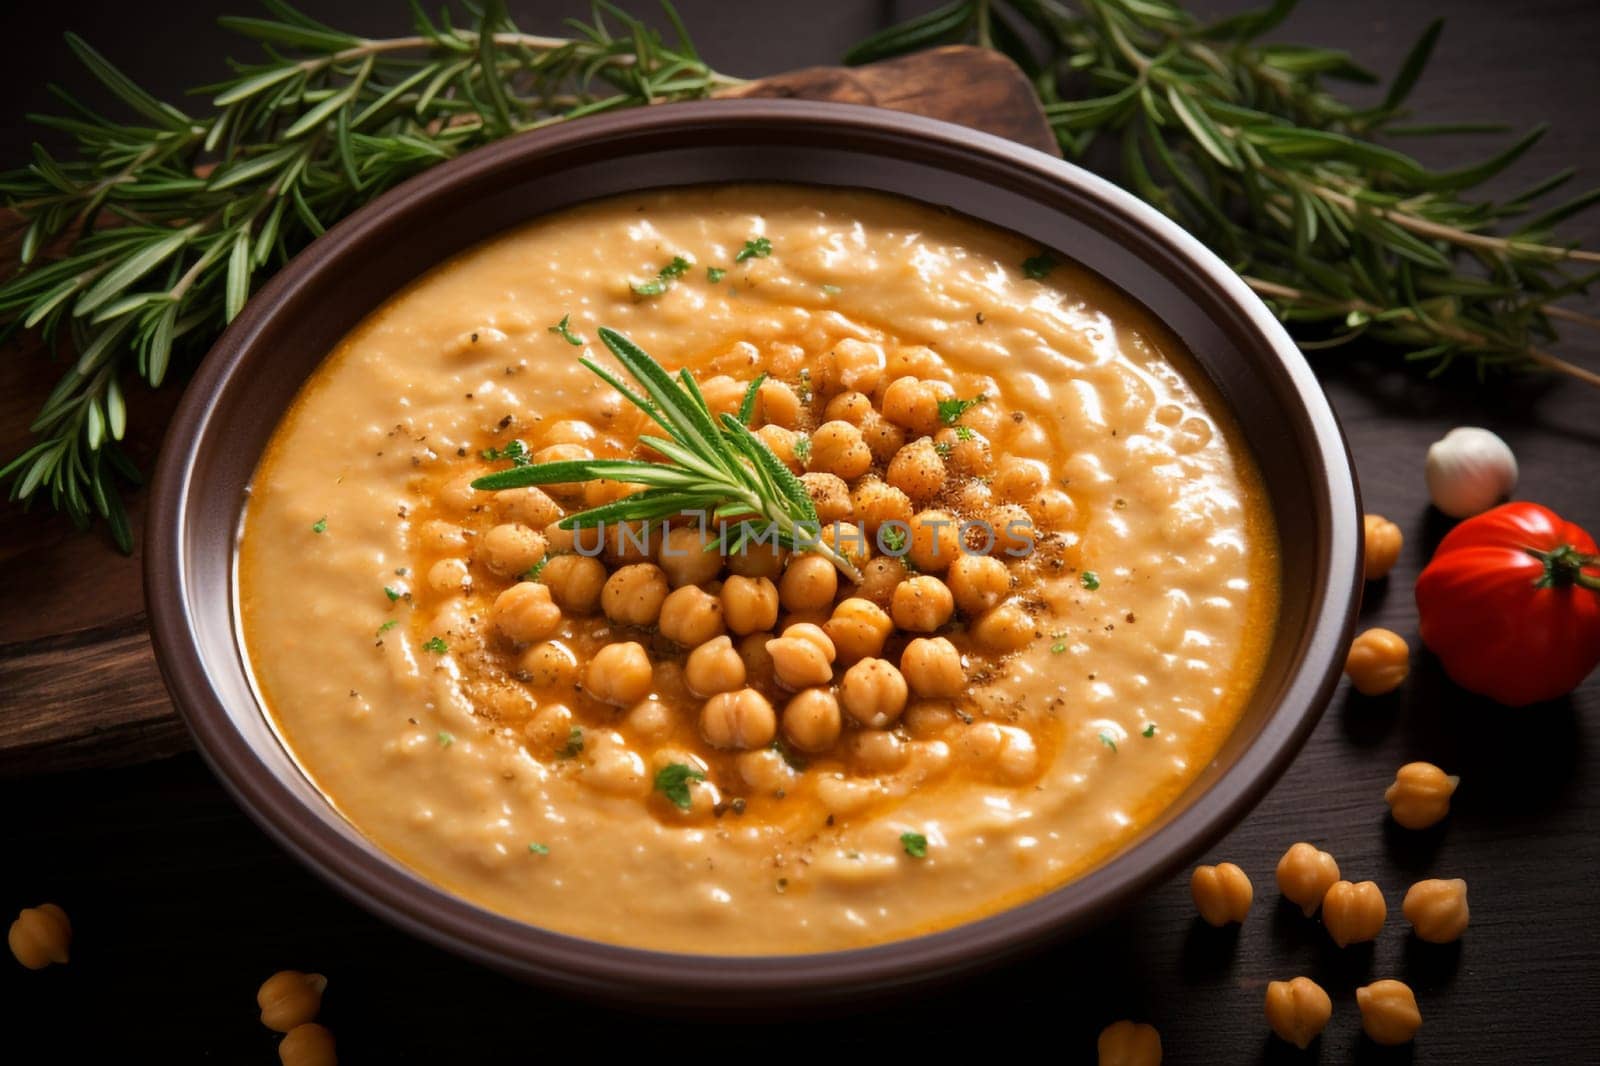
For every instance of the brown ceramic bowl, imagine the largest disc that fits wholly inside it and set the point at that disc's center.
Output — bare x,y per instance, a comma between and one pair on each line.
250,377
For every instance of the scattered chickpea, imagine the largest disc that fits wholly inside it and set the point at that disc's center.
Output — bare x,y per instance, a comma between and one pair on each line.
1353,913
758,560
1298,1010
776,404
1052,508
723,393
549,664
40,935
917,470
965,450
802,657
714,667
683,556
633,594
619,674
525,612
1128,1043
1389,1013
809,583
858,629
811,720
848,540
1437,909
914,404
932,668
978,582
1383,542
308,1045
873,692
935,541
829,494
1017,479
741,720
921,604
289,998
853,364
782,443
757,659
575,582
1305,874
851,407
1222,893
449,576
837,448
880,576
875,503
690,616
884,438
1378,662
749,604
1014,532
1004,628
1420,795
561,453
531,506
510,548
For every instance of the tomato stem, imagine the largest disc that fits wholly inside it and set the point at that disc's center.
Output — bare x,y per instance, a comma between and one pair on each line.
1563,568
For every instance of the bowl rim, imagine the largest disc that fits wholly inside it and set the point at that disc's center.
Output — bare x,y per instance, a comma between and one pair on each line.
643,975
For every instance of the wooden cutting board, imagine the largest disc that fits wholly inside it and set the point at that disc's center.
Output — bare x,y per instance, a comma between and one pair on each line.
78,683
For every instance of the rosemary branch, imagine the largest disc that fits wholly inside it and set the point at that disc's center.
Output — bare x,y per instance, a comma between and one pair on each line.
710,467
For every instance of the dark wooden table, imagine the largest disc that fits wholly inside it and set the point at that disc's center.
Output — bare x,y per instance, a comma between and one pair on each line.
181,906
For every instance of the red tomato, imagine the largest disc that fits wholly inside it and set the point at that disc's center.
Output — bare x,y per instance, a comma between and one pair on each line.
1510,604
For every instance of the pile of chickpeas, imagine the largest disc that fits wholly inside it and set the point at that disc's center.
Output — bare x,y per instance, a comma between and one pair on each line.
657,634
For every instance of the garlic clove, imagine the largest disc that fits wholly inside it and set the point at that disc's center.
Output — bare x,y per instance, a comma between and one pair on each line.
1469,470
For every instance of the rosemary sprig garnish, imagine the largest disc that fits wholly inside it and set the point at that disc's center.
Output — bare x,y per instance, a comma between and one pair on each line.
711,466
168,222
1241,142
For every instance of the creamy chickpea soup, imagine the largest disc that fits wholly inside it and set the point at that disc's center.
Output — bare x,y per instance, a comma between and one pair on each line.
1044,582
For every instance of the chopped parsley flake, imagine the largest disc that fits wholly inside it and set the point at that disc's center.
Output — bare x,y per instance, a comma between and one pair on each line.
944,448
573,746
893,538
1149,730
715,274
950,411
320,525
754,248
802,447
390,624
515,450
1105,738
445,740
436,645
1090,580
562,330
964,433
539,849
832,290
916,845
664,278
1038,266
391,592
1058,647
672,781
533,572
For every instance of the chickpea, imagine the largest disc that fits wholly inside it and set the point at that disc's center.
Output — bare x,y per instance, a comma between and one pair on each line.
634,594
1005,628
921,604
619,674
1305,874
627,543
777,405
876,751
882,436
690,616
935,541
575,582
830,495
1420,795
1437,909
978,582
308,1045
1389,1014
783,443
549,664
851,407
510,548
1222,894
971,497
1378,662
741,720
929,719
40,935
811,720
873,693
563,453
803,656
932,667
809,583
1353,913
853,364
449,576
749,604
917,470
765,559
568,431
858,629
875,503
879,578
684,558
848,540
601,491
714,667
758,668
1017,479
965,450
1126,1043
525,613
918,361
530,506
1013,530
1298,1010
914,404
837,448
1051,508
723,394
1383,543
559,541
290,998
